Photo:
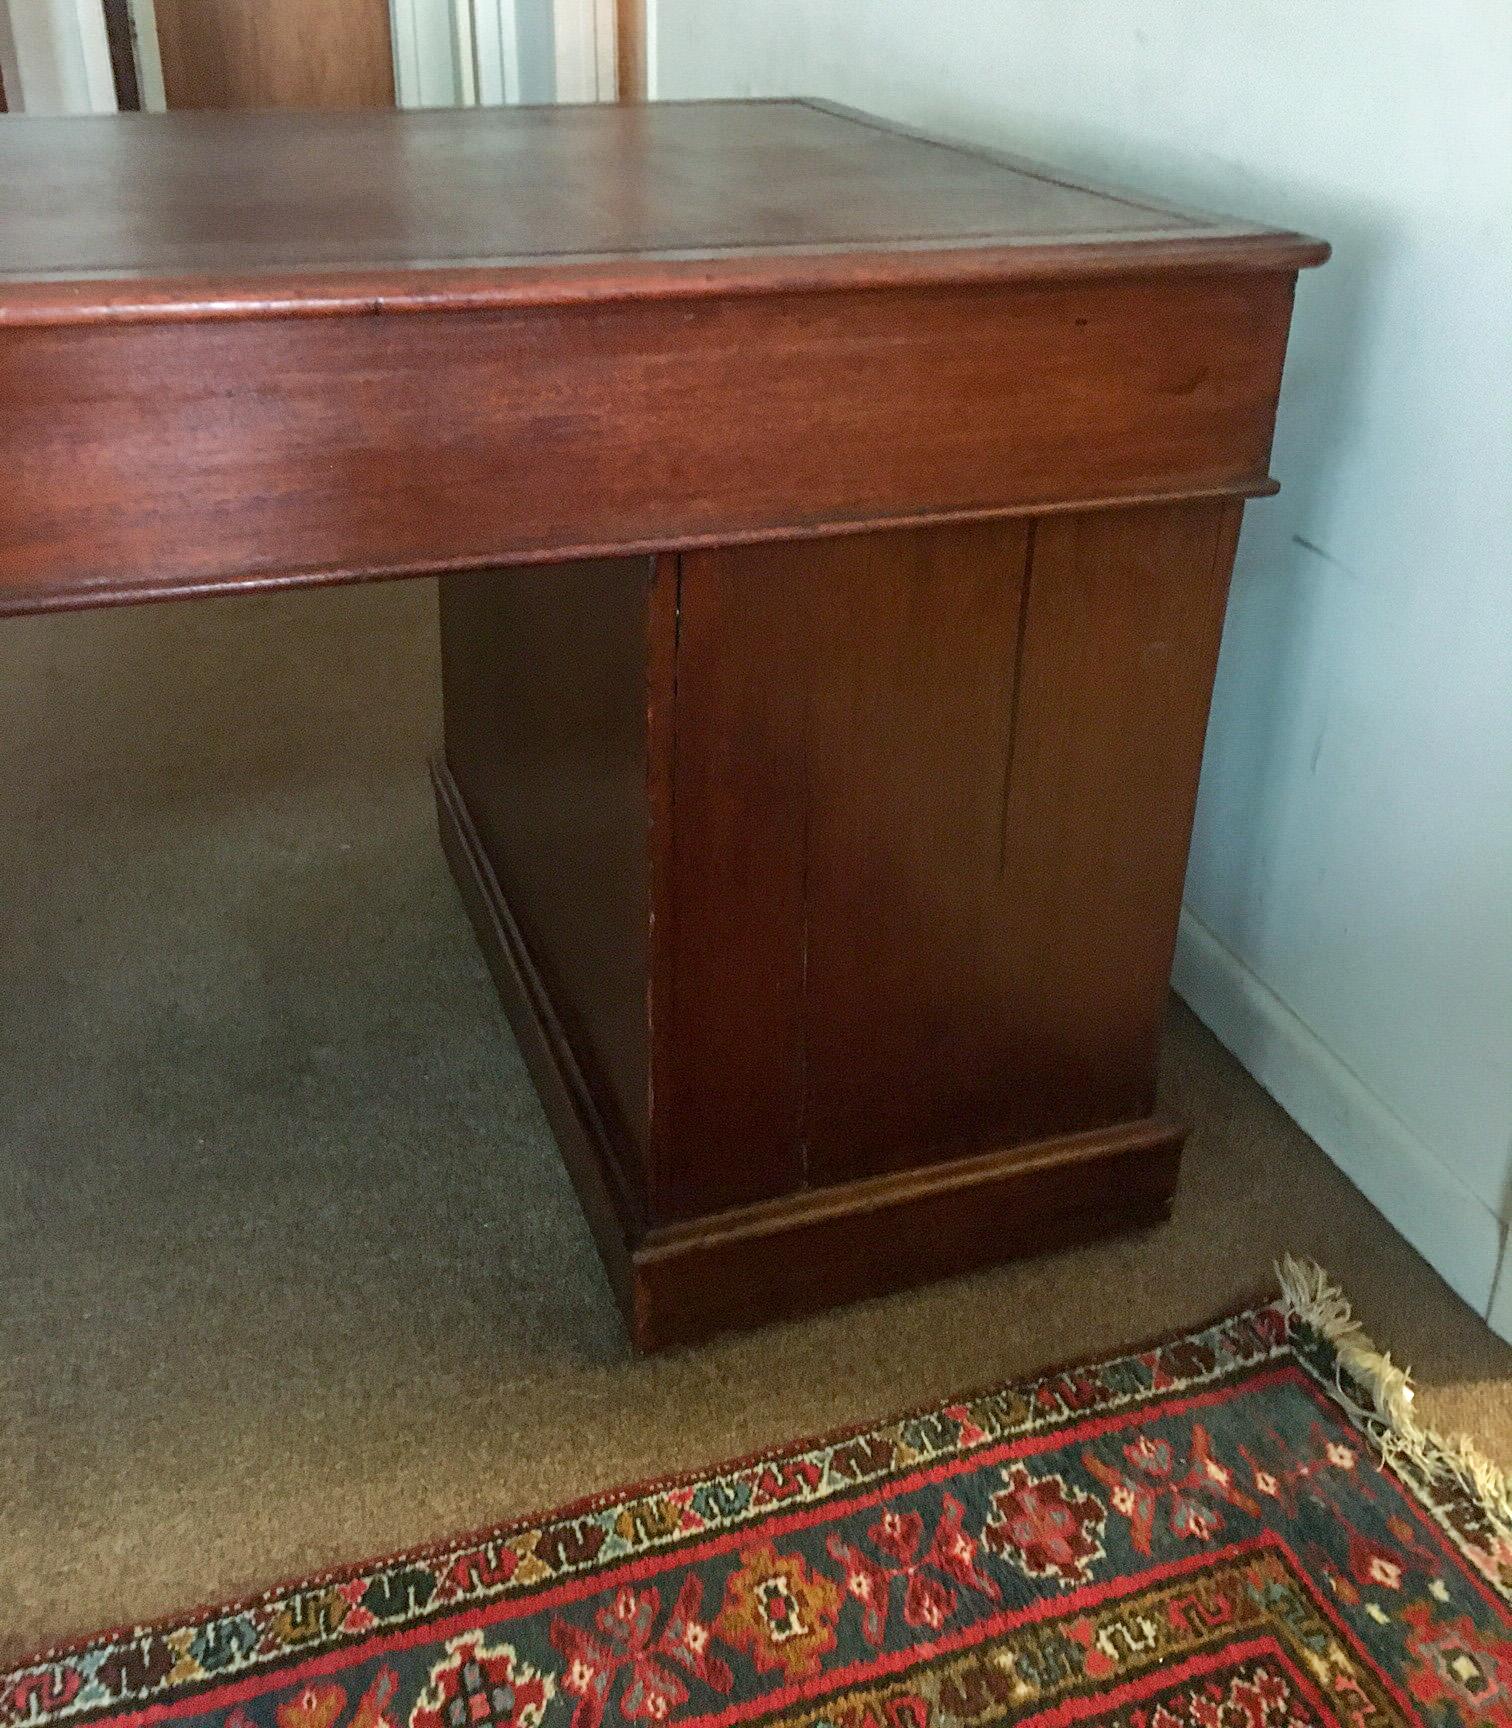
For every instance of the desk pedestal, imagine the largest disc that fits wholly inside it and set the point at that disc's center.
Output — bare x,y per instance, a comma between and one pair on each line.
831,886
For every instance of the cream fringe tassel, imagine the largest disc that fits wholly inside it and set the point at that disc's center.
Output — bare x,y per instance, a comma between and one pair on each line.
1309,1295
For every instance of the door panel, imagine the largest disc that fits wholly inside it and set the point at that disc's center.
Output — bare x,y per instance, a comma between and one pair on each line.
276,53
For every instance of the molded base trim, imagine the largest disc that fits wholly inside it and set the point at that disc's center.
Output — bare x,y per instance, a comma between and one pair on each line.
1456,1233
827,1246
581,1136
680,1283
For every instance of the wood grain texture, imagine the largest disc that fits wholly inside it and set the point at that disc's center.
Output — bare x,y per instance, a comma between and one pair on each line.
295,450
865,854
934,791
826,1246
845,711
590,1148
219,54
913,644
545,673
729,1086
1122,627
630,50
239,215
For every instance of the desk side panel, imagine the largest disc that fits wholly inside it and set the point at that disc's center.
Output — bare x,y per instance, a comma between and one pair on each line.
545,684
933,793
154,459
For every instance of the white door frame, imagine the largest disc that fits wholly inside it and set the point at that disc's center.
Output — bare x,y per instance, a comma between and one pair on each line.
653,28
492,34
585,50
56,57
462,52
149,63
429,53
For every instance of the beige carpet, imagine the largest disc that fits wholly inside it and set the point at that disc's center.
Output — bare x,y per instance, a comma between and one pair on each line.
288,1272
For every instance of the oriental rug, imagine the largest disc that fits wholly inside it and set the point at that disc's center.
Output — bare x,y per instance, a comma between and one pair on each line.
1243,1528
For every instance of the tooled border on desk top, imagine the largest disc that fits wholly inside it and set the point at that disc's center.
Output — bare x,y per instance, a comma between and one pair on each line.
1187,241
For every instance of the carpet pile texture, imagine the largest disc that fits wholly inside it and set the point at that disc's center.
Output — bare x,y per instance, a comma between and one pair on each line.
1206,1534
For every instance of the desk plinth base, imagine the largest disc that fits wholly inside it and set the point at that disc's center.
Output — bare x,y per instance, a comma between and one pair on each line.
831,888
682,1283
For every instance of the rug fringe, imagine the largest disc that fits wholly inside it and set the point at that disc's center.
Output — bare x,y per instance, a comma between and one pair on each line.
1310,1295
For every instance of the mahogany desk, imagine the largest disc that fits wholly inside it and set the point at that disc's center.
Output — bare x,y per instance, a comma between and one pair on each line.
836,528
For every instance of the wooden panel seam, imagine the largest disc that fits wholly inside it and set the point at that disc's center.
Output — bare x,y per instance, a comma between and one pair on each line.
663,657
1025,583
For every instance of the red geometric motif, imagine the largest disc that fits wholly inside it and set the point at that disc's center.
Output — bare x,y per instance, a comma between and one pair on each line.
1261,1699
1285,1474
479,1685
1045,1527
780,1612
1458,1670
929,1598
1157,1472
627,1641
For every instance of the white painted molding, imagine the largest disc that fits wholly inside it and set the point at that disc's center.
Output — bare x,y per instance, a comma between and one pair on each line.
464,52
406,60
606,46
149,61
94,49
576,50
58,57
585,43
495,39
1454,1231
426,52
653,48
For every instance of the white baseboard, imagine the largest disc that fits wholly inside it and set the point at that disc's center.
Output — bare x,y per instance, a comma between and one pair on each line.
1456,1233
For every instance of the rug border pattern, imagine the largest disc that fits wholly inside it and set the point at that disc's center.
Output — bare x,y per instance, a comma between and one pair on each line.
66,1683
836,1463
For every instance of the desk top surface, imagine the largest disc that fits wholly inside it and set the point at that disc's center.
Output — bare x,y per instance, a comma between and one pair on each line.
199,214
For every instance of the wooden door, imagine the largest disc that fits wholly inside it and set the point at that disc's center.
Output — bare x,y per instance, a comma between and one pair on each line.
276,53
